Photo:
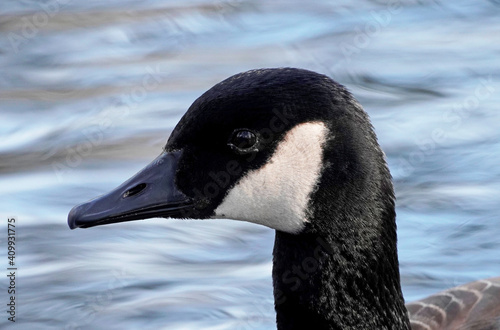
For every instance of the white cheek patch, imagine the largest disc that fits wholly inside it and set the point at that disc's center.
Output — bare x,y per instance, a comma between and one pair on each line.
277,194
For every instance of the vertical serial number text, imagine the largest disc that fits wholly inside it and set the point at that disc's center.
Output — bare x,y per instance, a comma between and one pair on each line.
11,269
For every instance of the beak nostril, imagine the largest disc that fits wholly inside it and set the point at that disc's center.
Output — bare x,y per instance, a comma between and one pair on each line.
134,190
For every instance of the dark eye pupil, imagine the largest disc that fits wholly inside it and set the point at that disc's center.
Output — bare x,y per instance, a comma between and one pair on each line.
244,139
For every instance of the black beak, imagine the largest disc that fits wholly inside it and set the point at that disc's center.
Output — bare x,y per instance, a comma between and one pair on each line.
150,193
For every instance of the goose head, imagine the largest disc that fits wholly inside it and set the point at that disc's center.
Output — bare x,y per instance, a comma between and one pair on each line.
292,150
255,147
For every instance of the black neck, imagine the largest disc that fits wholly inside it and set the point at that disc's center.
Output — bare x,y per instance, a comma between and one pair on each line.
320,284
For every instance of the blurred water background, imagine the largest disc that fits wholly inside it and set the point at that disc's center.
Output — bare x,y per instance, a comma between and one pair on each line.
89,92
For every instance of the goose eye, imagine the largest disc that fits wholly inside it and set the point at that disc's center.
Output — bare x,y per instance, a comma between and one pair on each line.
243,141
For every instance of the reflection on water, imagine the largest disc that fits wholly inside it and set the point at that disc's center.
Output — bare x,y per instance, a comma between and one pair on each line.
89,92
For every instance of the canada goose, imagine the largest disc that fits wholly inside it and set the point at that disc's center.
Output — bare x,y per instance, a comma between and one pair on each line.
293,150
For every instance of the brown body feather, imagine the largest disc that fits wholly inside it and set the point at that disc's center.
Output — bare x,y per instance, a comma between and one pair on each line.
472,306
